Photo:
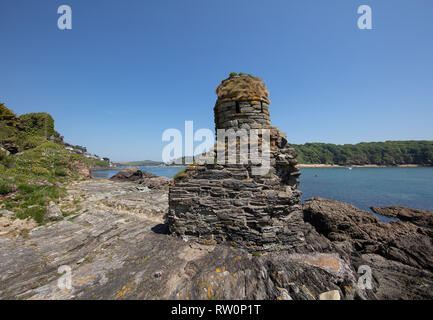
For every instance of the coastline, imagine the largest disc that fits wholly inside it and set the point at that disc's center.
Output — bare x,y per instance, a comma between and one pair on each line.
304,165
362,166
104,168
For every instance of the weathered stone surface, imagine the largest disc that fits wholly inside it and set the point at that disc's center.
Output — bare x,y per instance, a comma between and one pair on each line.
12,228
53,213
330,295
399,241
117,242
416,216
6,152
399,254
9,146
155,182
143,178
228,273
82,169
130,174
4,212
230,202
223,205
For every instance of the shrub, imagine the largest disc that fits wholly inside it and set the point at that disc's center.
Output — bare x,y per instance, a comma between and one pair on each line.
40,171
5,189
27,188
28,141
5,160
95,163
40,124
7,131
31,200
36,212
8,162
48,155
61,172
7,115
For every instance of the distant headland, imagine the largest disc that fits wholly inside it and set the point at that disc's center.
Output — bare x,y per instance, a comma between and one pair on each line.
410,153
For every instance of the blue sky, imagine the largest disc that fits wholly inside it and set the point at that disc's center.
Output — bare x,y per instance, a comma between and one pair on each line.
128,70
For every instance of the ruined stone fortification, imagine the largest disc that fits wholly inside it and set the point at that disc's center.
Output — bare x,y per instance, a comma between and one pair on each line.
216,203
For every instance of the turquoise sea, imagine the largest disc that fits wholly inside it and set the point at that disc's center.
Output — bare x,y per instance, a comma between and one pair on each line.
366,187
362,187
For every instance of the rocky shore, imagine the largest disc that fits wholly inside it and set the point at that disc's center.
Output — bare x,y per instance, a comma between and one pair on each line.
422,218
144,178
214,231
117,246
361,166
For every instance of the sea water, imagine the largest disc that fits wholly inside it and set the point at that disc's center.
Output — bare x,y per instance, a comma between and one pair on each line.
361,187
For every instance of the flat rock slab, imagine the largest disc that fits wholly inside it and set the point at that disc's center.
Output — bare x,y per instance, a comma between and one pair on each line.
113,247
116,247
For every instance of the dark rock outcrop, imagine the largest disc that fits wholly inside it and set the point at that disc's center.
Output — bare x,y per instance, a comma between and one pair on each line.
143,178
419,217
9,145
82,169
154,182
399,253
130,175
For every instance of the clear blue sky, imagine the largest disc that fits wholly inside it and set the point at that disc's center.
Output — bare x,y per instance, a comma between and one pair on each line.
128,70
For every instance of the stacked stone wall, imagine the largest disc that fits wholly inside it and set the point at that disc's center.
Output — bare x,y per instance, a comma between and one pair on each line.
242,115
214,203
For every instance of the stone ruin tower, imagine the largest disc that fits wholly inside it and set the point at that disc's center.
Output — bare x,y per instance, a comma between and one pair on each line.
214,203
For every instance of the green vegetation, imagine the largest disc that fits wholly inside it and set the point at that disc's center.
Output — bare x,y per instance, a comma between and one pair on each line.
95,163
28,141
37,124
36,179
378,153
34,170
5,188
4,159
183,174
24,132
138,163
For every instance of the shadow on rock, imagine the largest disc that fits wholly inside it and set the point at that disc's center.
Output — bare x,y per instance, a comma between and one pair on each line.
161,228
